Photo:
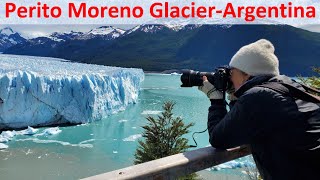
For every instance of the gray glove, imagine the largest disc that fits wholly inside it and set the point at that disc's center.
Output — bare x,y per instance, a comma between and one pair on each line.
210,90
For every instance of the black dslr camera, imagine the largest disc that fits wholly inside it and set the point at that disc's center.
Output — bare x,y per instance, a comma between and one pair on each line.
220,78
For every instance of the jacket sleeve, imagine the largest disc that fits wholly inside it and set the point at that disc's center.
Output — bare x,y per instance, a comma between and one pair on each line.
233,128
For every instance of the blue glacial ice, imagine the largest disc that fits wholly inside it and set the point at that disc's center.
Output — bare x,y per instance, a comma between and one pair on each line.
41,91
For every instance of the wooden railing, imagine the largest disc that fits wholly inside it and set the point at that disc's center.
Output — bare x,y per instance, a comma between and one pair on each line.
177,165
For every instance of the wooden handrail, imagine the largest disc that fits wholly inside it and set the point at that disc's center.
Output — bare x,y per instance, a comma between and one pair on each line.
177,165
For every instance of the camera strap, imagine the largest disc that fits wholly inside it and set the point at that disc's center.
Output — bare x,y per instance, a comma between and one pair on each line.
290,90
193,146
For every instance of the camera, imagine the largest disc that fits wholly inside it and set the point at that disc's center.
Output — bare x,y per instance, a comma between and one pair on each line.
220,78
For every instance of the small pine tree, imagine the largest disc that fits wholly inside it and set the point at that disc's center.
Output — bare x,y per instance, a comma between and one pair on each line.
313,81
163,137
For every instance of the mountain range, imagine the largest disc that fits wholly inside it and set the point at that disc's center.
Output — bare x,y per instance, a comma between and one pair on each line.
9,38
163,47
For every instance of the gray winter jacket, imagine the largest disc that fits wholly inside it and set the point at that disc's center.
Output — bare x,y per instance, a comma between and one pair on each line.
284,139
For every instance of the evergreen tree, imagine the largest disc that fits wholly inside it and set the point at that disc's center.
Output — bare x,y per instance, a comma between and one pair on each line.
313,81
163,137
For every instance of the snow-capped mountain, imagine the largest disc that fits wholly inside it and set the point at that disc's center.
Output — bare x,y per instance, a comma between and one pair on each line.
7,31
149,28
106,32
9,37
55,37
69,44
64,36
155,28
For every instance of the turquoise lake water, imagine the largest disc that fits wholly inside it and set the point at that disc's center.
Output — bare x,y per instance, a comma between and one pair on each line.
90,149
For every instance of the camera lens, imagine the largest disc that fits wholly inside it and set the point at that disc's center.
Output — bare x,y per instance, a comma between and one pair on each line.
191,78
220,78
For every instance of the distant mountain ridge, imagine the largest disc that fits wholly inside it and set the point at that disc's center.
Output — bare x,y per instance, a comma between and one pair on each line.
162,47
9,38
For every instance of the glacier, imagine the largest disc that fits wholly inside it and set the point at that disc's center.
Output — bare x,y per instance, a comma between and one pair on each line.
41,91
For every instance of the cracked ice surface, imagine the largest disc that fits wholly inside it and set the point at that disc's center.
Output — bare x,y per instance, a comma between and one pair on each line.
45,91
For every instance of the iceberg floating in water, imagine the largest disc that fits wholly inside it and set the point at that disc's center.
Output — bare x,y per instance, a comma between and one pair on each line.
132,137
176,74
3,146
41,91
6,136
29,131
3,139
147,112
50,131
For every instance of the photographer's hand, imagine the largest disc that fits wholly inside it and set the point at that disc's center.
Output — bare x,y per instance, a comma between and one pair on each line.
210,90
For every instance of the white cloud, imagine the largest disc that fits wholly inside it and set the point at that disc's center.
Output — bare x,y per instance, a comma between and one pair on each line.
312,27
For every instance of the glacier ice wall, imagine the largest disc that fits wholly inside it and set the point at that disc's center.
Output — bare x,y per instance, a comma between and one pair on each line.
44,91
